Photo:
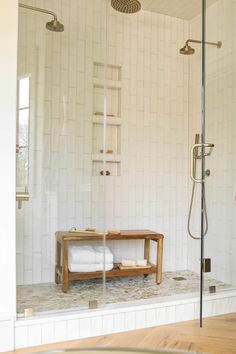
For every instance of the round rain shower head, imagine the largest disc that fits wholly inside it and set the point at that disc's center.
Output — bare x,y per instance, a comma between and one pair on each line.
126,6
187,50
55,26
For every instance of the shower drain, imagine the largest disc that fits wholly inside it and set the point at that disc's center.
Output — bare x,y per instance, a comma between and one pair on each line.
179,278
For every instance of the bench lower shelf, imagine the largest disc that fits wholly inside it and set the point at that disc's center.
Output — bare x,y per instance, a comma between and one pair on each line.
115,272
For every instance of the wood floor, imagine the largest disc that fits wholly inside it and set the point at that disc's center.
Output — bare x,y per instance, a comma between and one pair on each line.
218,336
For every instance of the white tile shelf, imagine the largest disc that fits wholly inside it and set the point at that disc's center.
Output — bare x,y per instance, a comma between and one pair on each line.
110,84
108,157
110,120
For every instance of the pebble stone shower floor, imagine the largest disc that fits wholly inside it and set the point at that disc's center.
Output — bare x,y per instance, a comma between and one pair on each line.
49,296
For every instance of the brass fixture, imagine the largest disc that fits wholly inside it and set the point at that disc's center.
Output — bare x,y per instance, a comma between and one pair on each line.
212,289
53,25
206,265
19,147
102,114
126,6
22,197
107,173
93,304
28,312
188,50
109,151
195,155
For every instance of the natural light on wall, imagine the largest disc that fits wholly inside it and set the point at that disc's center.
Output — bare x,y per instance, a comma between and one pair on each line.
22,145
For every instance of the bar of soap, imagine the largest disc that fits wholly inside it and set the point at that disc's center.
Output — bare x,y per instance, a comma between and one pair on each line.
128,263
142,263
115,232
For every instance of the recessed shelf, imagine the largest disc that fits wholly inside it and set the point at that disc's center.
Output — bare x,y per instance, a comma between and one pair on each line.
112,138
113,169
111,84
106,81
106,157
113,101
110,120
113,72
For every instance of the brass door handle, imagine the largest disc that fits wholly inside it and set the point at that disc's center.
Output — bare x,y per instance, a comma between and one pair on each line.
21,197
195,155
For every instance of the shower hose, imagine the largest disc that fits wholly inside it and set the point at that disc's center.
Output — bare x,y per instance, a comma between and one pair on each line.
190,213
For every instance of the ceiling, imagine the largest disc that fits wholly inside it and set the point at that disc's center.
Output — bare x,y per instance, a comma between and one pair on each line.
185,9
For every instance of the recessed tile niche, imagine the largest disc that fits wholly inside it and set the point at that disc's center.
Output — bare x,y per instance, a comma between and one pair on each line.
106,103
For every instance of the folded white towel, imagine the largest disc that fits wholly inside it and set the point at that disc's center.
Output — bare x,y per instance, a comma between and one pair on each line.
81,253
89,254
85,268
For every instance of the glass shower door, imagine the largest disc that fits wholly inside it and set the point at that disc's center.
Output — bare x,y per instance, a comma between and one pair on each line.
218,127
57,160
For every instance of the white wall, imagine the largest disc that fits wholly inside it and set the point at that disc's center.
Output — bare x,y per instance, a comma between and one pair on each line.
151,191
8,64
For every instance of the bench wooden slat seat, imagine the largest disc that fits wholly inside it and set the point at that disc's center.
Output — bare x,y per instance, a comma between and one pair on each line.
63,238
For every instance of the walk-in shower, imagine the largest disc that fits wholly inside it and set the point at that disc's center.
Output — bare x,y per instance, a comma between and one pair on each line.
188,50
111,58
54,25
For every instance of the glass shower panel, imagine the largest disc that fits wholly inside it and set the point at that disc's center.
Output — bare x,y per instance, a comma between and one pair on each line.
220,243
65,186
146,152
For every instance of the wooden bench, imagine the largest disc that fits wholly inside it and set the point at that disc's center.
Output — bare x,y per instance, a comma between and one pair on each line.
63,238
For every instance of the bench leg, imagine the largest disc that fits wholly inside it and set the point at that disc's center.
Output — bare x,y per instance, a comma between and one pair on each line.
147,249
159,260
58,262
146,252
65,267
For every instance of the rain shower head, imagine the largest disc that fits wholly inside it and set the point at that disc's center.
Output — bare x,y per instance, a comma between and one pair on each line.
53,25
126,6
187,50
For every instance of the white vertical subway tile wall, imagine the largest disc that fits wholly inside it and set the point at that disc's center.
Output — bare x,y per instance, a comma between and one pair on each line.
151,190
155,107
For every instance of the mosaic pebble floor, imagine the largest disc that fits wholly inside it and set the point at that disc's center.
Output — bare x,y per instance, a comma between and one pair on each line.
49,296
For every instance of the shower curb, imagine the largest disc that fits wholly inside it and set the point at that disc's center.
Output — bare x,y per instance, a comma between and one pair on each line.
73,325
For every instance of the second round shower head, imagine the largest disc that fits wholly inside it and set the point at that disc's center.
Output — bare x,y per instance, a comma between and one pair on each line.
55,26
126,6
187,50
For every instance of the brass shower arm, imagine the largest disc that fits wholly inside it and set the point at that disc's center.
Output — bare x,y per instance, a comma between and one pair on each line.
38,9
217,44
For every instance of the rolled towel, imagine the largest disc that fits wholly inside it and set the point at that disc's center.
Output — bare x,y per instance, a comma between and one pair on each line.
89,254
86,268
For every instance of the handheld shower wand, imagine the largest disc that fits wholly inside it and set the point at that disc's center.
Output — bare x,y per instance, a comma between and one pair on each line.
194,168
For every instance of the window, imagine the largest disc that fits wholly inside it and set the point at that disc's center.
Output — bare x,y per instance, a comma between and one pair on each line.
22,141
